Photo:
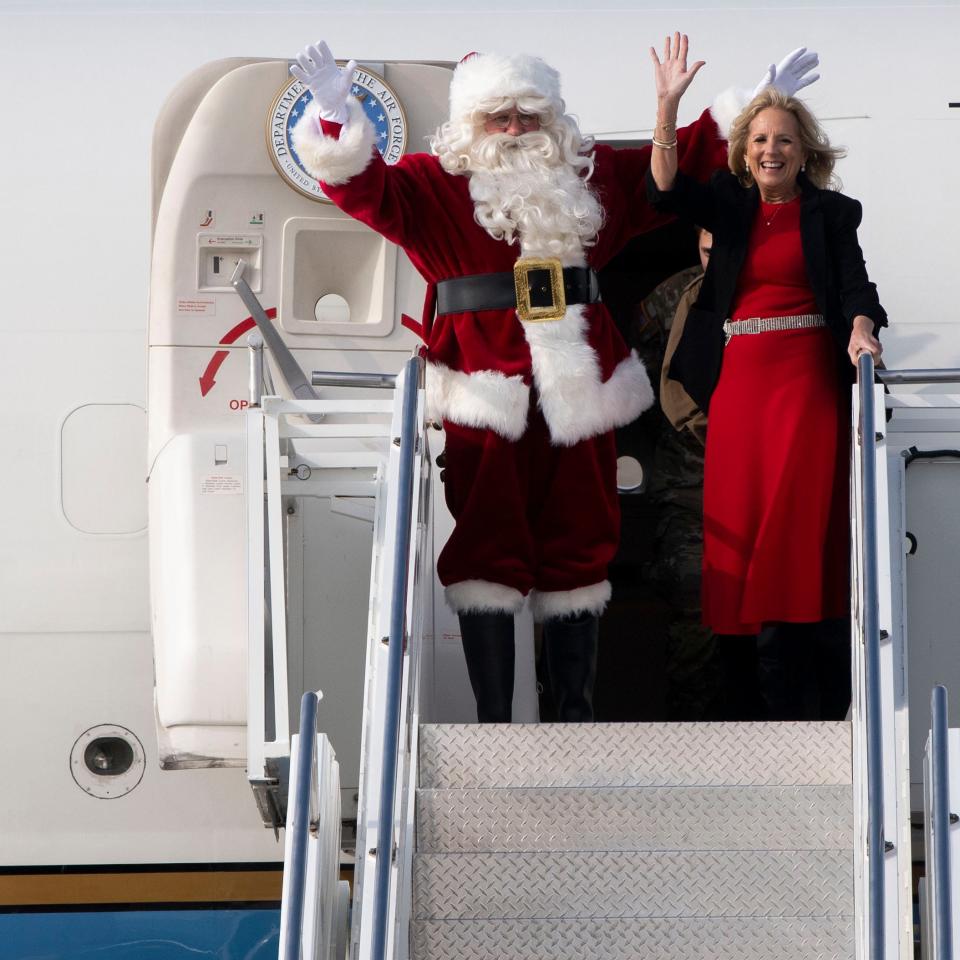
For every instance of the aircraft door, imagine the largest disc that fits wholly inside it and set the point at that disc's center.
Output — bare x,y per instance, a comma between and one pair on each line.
226,188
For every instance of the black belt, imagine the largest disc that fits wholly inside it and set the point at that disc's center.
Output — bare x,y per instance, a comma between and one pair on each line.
498,291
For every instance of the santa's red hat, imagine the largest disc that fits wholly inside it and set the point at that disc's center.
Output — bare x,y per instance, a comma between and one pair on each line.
491,76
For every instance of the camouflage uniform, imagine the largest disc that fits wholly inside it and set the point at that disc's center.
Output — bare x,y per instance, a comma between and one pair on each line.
675,488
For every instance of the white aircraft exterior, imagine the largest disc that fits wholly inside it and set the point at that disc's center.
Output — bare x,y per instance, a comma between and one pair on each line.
83,85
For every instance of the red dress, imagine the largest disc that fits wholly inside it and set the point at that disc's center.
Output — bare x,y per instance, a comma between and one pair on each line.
776,512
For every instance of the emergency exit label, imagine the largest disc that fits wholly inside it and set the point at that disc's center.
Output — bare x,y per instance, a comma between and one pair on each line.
232,240
197,306
220,484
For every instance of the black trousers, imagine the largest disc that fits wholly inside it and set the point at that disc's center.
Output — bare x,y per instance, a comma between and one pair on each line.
804,670
790,671
740,697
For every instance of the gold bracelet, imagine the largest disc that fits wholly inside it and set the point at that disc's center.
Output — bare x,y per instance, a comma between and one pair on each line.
665,144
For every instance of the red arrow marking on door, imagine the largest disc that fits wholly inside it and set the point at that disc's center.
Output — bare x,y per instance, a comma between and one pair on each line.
209,375
208,379
244,325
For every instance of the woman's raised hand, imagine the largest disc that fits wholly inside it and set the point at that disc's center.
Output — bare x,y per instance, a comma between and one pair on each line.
671,74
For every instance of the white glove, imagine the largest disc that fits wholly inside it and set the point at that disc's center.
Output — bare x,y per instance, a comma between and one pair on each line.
318,71
791,73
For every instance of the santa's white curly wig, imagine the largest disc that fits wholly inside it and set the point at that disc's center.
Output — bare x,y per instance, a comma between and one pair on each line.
490,83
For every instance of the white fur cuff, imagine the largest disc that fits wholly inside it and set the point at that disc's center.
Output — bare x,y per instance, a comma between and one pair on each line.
562,603
486,399
334,161
483,596
727,107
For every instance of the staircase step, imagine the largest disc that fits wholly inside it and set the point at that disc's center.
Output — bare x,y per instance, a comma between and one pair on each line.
785,884
749,938
455,756
635,818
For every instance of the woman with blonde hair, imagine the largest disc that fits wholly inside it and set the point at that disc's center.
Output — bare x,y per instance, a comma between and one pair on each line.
769,351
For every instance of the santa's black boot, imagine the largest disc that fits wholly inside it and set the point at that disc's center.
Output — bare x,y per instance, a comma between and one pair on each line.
488,647
570,645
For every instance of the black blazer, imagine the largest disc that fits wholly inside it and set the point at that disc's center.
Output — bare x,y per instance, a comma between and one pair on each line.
834,261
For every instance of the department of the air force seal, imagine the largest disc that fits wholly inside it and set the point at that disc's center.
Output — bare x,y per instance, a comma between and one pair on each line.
379,102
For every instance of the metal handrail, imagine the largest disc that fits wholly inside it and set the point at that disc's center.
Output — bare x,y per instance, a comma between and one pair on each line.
255,343
870,612
300,810
397,643
946,375
336,378
286,363
940,815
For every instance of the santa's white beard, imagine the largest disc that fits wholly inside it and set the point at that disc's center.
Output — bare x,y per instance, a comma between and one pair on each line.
521,187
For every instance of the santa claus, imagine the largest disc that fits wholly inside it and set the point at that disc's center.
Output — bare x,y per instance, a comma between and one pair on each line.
508,219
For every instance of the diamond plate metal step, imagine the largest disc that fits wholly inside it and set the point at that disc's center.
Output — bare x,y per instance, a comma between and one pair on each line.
736,938
673,841
635,818
623,755
603,885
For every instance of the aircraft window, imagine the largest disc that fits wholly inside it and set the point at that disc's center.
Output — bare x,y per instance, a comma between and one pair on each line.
332,308
629,474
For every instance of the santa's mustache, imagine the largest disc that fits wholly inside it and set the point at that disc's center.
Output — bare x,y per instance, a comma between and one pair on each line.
528,151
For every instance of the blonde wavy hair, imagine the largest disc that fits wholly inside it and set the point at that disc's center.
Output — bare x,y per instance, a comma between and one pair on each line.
454,141
820,156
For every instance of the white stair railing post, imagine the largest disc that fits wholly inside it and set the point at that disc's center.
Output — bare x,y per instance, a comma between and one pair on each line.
313,913
388,765
869,604
938,925
883,902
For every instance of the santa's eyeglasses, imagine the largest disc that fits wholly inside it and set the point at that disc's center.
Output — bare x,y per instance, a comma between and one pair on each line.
503,120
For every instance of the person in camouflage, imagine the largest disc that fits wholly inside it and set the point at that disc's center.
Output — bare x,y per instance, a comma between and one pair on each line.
677,405
709,677
694,678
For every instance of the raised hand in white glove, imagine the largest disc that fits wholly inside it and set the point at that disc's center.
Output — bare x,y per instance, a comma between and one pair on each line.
317,70
792,73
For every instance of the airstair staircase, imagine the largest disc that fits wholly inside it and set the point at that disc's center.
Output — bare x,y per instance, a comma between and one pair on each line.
681,841
673,841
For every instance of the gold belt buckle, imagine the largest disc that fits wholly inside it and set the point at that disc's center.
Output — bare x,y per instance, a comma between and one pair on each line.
534,312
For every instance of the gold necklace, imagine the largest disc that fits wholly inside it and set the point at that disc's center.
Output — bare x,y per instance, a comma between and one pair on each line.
773,216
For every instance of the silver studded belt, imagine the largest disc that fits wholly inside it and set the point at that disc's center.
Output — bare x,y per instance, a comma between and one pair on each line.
733,328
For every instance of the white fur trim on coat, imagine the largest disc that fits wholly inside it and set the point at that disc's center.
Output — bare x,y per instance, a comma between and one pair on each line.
332,160
727,107
486,399
576,403
493,76
562,603
483,596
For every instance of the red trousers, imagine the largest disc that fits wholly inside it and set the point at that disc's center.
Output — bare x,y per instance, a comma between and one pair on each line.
530,516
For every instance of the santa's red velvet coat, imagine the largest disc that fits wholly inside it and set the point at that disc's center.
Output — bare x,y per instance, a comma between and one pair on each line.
496,378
